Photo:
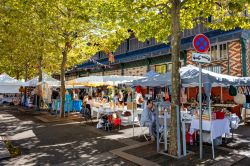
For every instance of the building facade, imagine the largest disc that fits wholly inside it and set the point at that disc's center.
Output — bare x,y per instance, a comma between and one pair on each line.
230,53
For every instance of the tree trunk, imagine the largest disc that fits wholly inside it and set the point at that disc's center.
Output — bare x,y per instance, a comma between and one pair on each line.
63,66
40,71
17,74
26,72
175,46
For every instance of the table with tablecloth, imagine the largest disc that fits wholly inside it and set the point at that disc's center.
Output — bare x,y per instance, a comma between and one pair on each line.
106,110
218,127
6,99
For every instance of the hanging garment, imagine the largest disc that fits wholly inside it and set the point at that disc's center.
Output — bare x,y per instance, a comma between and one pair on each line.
167,98
232,91
247,98
246,92
183,96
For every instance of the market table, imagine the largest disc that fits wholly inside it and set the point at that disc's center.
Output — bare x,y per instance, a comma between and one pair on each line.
224,105
218,126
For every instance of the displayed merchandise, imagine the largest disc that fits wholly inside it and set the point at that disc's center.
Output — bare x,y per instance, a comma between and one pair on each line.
232,90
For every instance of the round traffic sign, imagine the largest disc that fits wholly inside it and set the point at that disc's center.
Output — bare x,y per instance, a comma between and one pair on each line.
201,43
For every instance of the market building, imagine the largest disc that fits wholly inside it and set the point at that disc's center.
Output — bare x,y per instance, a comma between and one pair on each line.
230,53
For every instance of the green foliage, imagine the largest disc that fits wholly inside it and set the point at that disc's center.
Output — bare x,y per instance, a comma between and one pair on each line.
33,29
152,18
30,29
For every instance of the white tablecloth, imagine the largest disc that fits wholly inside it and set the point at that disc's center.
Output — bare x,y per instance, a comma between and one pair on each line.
7,99
218,126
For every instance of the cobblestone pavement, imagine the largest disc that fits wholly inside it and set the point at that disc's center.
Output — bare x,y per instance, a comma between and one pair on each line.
69,143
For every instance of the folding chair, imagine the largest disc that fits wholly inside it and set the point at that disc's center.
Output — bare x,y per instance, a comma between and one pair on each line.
161,132
144,129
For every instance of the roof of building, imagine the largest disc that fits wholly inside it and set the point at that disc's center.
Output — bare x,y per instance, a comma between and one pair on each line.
163,49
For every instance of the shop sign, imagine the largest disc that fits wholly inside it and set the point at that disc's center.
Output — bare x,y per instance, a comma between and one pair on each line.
201,58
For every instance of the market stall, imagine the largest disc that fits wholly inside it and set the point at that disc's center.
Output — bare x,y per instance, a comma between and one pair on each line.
215,85
217,118
9,84
101,102
112,80
39,93
214,114
9,89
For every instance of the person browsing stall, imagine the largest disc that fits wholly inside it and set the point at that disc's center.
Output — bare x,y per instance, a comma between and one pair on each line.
148,119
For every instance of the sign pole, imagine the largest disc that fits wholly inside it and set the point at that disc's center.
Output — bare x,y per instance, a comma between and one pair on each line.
200,111
201,45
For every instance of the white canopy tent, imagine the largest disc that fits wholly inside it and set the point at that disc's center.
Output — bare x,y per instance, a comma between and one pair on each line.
45,79
159,80
9,84
151,73
190,77
112,80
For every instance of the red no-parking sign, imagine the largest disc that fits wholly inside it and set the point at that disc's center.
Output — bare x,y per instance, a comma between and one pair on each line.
201,43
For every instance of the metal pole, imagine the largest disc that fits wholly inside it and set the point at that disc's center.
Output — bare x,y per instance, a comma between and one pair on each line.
157,128
132,95
165,132
184,137
200,114
178,131
211,132
221,94
133,118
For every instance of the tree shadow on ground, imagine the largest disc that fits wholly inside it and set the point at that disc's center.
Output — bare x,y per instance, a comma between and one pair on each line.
71,144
